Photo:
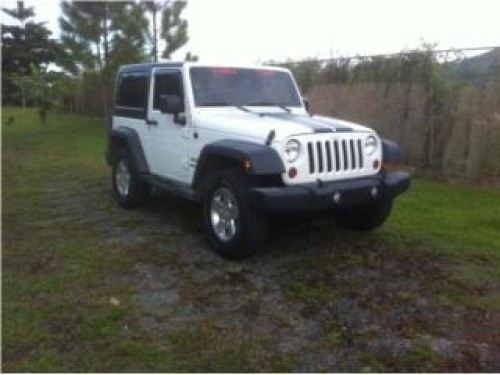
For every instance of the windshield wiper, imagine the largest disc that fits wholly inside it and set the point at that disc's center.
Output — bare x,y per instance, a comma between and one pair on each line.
226,104
244,109
284,108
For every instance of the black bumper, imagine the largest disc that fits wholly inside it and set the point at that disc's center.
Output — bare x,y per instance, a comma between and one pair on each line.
321,197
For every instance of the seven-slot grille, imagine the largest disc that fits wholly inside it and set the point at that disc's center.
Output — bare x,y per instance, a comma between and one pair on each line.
335,155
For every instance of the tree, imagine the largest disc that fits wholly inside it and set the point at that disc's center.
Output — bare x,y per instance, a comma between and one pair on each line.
20,13
153,7
129,30
25,44
82,27
100,36
190,57
173,27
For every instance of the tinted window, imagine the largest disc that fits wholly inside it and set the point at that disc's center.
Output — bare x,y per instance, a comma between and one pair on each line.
132,90
167,84
234,86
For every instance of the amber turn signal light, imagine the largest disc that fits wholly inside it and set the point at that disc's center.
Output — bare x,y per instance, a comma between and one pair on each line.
246,164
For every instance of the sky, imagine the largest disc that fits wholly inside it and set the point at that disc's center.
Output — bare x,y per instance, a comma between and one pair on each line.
256,31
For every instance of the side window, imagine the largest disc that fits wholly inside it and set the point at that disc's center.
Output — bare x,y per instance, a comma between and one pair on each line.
132,90
167,84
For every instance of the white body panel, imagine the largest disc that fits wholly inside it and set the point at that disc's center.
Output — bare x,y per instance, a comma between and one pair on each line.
167,150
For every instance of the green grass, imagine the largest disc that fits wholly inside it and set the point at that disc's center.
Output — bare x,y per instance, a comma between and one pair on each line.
458,226
59,277
56,310
420,358
462,219
216,346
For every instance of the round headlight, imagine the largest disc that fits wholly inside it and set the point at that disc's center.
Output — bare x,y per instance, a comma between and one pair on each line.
292,150
371,145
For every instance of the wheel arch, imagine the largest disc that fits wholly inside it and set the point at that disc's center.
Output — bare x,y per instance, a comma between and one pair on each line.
263,159
391,152
123,137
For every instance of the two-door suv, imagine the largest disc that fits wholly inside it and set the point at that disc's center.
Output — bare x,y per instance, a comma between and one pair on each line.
240,140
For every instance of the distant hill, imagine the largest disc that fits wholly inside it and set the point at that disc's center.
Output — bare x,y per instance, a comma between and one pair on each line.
478,69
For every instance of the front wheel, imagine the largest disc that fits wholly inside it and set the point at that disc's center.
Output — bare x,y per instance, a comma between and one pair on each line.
235,230
365,217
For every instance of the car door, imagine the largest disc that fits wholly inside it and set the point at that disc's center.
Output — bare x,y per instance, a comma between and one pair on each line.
167,139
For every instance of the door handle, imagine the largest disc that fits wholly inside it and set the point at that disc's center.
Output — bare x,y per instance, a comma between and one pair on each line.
151,122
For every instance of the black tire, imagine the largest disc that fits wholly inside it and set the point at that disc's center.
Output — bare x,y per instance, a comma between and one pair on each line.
137,193
250,228
365,217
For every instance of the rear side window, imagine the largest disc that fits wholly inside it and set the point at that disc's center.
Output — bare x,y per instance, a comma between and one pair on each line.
132,90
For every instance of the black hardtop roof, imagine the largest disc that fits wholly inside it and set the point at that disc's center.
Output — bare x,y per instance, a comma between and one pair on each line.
149,66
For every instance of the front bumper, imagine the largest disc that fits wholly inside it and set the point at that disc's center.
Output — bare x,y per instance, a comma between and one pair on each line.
321,196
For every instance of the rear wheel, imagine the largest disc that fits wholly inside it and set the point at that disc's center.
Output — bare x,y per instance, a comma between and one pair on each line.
235,230
128,190
365,217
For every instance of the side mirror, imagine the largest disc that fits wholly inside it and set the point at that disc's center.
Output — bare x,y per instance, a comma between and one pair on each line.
306,103
171,104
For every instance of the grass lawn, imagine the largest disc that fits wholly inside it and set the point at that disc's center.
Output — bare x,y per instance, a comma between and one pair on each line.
67,297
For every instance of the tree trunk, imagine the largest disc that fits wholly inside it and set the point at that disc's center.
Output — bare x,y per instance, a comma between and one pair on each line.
23,97
102,81
105,32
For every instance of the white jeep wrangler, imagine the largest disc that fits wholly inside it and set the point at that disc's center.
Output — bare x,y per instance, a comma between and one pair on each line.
240,141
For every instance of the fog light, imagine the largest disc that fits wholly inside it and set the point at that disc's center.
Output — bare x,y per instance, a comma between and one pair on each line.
374,192
292,172
336,197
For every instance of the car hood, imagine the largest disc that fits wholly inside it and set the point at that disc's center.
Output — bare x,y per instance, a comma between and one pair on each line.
256,124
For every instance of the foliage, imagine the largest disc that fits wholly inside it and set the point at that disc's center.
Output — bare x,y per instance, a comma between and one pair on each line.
129,28
100,36
305,72
191,57
173,27
153,7
20,13
96,38
24,44
409,66
80,32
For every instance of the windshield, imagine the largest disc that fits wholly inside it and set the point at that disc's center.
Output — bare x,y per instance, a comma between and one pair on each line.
243,87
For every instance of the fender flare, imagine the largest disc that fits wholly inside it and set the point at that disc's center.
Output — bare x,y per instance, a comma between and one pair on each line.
391,152
264,160
130,138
